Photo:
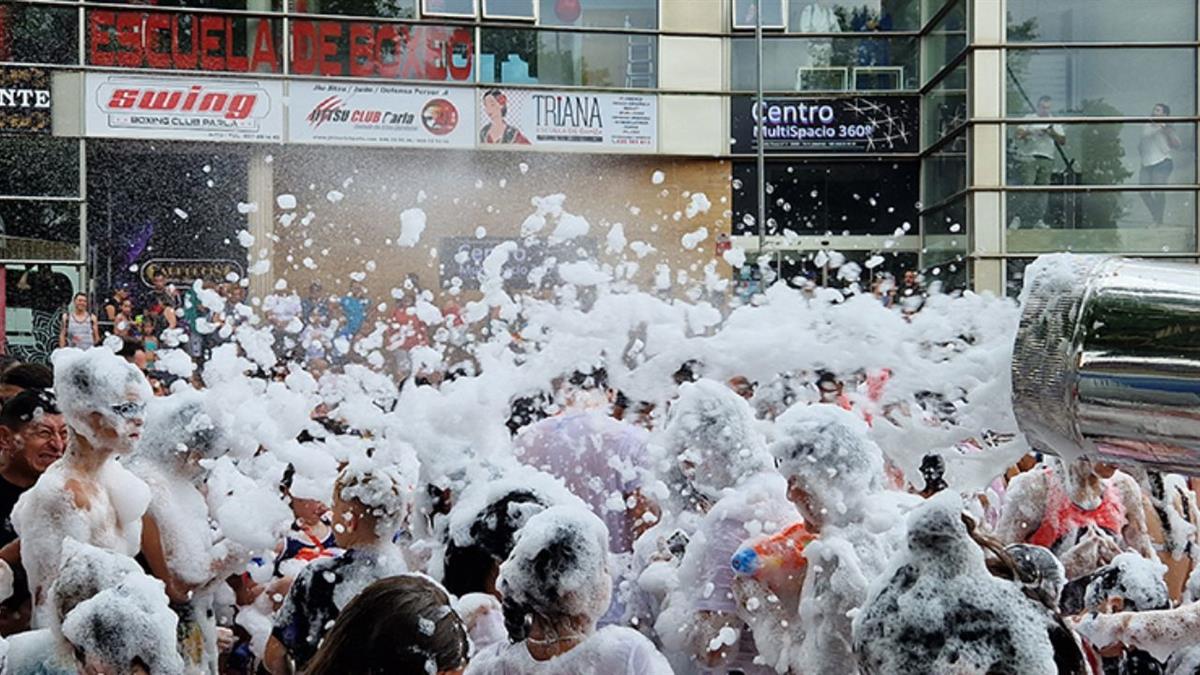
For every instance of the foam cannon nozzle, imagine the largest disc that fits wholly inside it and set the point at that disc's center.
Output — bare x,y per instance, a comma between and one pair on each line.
1106,362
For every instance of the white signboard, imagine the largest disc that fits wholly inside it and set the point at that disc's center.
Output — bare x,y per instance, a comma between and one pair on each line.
381,114
183,108
568,120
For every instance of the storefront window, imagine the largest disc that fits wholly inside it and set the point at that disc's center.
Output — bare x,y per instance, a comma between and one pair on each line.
390,9
39,166
827,64
837,198
945,41
184,41
599,13
39,34
1101,20
382,50
946,243
945,171
944,109
33,229
1102,221
1143,153
1101,82
1014,275
515,56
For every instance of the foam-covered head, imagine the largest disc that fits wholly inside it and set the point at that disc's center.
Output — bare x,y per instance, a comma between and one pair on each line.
383,485
938,538
1135,581
102,397
557,570
490,512
85,571
829,459
183,426
711,441
130,624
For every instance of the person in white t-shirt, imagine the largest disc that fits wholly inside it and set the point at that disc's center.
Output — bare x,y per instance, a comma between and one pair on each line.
1036,148
556,585
1157,143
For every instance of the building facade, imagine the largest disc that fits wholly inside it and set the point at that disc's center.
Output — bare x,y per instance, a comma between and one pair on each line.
956,138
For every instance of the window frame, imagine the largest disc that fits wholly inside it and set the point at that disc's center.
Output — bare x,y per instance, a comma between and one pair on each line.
426,12
737,26
535,18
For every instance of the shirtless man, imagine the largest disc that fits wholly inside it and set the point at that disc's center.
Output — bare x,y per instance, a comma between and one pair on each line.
1086,513
86,495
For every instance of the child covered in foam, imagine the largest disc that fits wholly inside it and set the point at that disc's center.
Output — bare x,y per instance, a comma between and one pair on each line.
372,502
86,495
181,544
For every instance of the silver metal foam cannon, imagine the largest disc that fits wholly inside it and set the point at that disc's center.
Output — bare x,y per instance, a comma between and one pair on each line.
1107,361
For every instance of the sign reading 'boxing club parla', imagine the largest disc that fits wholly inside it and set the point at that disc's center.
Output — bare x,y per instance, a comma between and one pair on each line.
859,124
24,100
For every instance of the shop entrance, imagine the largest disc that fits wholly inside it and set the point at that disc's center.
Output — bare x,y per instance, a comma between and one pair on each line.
171,207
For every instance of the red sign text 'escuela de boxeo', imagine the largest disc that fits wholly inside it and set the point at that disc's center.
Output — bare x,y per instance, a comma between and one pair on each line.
250,44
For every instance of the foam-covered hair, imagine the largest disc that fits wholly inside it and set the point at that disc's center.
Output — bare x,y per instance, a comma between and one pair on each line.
93,381
385,484
85,570
712,429
558,569
182,423
830,448
130,622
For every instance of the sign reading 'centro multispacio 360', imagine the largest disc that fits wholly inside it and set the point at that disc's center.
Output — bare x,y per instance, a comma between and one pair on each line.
875,124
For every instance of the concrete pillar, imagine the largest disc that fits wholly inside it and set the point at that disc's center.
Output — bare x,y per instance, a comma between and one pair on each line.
261,225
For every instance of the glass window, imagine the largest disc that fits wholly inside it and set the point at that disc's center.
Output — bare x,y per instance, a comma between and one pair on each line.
39,230
1101,20
184,41
831,268
945,171
510,9
39,166
827,64
1014,275
244,5
456,8
390,9
945,41
745,14
851,16
1101,82
38,33
838,198
944,109
383,50
516,56
599,13
1142,153
1102,221
945,246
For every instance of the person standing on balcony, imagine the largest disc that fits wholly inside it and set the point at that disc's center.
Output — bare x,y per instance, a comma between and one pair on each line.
1158,142
1037,144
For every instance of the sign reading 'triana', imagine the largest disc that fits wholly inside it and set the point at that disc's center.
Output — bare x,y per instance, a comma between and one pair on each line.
568,120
